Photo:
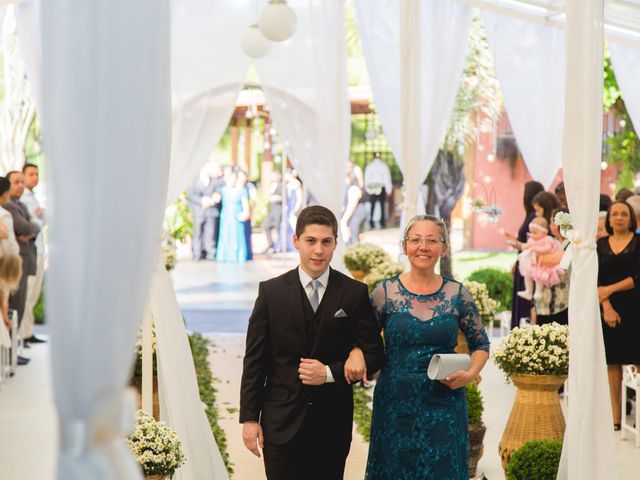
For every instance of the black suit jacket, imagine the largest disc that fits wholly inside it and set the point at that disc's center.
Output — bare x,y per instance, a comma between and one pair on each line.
197,190
22,225
277,337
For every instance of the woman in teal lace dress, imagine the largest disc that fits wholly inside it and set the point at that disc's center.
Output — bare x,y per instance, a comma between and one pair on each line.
419,428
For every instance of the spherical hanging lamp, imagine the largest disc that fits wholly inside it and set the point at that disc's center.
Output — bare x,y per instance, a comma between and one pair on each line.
254,43
277,21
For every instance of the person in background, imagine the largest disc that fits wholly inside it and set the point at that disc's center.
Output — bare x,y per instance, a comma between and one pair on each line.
273,219
602,231
544,203
232,244
204,199
605,202
561,194
252,195
378,187
521,308
619,296
356,210
623,194
634,201
34,282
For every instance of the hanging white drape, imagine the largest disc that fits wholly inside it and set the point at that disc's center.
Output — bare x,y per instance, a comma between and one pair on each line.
29,28
106,124
529,60
626,64
305,82
444,31
588,451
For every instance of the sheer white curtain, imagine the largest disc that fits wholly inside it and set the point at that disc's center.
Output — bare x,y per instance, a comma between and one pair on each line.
305,82
626,63
530,65
588,451
28,26
106,123
444,31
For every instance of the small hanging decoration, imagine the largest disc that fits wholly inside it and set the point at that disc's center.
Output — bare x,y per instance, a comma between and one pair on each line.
277,21
254,42
490,207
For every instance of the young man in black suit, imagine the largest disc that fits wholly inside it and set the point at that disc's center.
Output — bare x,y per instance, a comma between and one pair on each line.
295,401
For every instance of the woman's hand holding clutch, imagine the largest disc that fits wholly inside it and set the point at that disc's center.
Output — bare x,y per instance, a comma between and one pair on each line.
458,379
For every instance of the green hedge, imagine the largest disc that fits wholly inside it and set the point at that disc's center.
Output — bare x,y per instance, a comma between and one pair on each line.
361,411
499,283
537,460
475,405
38,310
200,351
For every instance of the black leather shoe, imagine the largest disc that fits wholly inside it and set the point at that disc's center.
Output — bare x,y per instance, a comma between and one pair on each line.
34,339
23,360
26,344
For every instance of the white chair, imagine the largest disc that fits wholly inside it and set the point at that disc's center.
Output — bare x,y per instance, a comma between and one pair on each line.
630,379
504,326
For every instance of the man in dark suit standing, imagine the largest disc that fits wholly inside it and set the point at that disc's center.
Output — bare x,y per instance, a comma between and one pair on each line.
204,198
295,401
26,232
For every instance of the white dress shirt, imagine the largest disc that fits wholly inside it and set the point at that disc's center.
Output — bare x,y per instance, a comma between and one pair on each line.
305,280
32,203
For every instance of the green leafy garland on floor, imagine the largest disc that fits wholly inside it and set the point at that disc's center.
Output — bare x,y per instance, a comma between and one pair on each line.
200,351
362,412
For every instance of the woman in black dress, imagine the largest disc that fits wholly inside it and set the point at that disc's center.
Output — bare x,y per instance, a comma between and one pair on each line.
619,295
519,306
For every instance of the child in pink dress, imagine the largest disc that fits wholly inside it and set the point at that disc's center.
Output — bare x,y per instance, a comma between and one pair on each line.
534,273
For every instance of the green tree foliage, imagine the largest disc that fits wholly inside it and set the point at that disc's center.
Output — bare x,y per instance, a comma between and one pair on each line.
537,460
498,282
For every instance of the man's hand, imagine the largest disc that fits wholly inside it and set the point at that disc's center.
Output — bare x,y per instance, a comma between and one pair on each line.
24,238
355,368
457,379
312,372
38,212
252,437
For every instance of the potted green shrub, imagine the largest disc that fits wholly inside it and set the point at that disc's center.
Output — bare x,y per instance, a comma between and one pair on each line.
537,459
477,429
361,258
499,284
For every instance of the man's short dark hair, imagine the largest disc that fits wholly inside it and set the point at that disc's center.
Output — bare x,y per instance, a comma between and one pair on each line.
8,176
29,165
316,215
5,185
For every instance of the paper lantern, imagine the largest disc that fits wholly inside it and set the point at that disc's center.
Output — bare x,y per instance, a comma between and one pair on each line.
254,43
277,21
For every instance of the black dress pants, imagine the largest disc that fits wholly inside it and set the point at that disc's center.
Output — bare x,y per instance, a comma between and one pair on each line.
317,452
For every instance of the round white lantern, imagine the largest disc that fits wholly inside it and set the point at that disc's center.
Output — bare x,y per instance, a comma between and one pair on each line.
254,43
277,21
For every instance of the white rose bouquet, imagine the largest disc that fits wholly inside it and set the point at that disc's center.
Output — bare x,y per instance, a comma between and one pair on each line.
534,350
156,447
487,306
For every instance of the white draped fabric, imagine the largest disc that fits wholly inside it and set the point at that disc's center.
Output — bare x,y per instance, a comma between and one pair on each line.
444,30
588,451
29,35
207,71
305,82
626,63
106,118
529,60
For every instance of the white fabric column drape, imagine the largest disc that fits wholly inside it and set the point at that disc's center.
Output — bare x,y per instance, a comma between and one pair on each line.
305,82
529,61
626,63
444,26
106,123
588,451
28,26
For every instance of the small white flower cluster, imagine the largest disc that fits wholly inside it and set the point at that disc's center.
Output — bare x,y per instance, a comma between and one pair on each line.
156,447
534,350
169,252
563,220
154,340
364,257
487,306
382,272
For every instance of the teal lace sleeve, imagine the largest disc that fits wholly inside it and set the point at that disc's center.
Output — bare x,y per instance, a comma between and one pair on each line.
471,323
378,300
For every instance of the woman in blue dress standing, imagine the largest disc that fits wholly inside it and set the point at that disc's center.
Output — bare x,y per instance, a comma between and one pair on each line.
232,243
419,428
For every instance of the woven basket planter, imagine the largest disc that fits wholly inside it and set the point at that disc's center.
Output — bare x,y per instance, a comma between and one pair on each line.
155,477
536,413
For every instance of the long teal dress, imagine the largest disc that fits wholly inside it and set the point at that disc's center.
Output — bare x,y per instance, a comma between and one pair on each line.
419,428
232,242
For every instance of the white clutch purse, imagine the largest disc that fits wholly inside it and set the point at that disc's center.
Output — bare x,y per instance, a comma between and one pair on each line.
444,364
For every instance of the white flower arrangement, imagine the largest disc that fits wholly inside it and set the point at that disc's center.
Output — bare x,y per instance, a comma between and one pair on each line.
154,340
155,446
487,306
169,252
382,272
534,350
563,220
364,257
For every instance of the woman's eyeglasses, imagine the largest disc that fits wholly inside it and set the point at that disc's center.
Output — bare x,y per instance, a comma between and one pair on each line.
430,241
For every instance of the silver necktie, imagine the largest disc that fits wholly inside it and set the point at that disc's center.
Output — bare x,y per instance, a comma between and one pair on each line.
314,298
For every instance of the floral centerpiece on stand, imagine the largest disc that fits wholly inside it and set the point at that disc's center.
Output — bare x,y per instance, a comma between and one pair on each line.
536,360
361,258
156,447
487,306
